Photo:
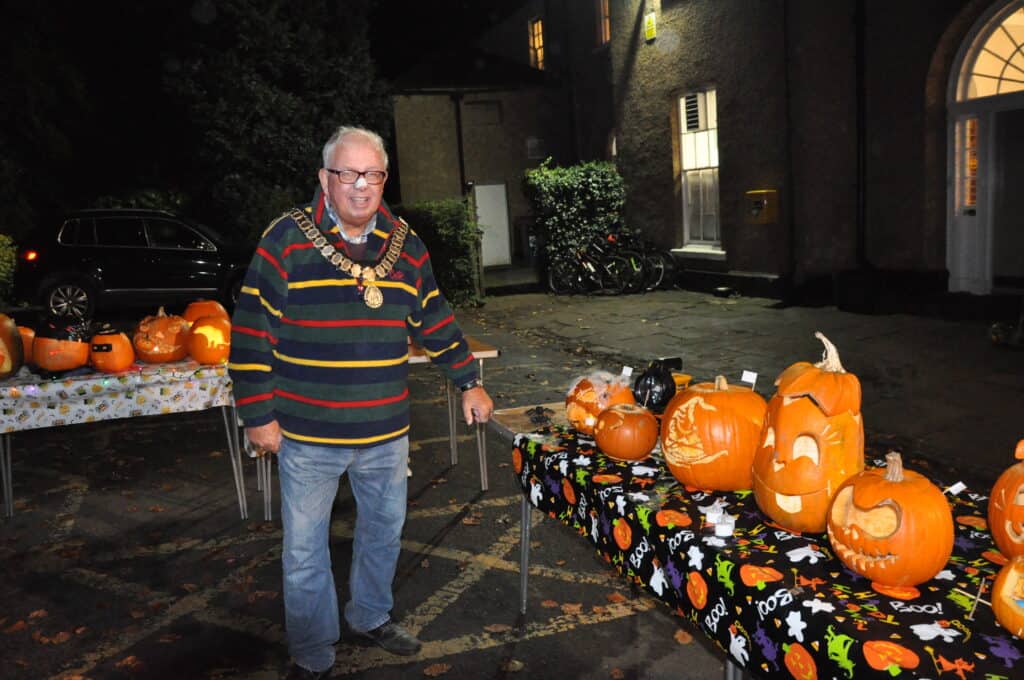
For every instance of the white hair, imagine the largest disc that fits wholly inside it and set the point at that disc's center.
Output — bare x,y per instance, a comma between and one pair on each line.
346,131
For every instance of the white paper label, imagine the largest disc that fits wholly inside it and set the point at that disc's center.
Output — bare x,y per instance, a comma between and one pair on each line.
627,371
956,488
749,377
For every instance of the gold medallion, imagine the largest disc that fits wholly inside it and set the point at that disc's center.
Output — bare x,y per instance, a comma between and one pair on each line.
373,297
356,270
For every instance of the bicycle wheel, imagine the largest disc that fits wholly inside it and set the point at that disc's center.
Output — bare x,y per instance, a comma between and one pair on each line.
661,270
635,275
561,281
614,271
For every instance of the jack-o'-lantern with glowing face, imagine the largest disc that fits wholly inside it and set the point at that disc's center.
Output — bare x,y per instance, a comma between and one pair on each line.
1008,597
891,525
813,441
1006,508
209,340
593,393
709,434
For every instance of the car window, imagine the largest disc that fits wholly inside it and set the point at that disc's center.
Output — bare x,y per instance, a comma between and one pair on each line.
171,234
120,231
77,231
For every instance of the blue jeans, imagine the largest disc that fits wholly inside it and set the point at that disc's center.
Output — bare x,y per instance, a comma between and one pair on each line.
309,485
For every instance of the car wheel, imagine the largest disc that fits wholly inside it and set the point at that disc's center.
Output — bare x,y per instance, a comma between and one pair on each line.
69,298
232,292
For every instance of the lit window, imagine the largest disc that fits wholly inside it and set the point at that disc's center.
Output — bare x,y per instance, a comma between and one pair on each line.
698,147
604,22
967,166
996,61
537,44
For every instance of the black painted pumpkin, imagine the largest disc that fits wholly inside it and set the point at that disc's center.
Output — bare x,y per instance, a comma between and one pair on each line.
655,387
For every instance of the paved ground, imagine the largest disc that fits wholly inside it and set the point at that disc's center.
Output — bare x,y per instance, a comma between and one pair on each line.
127,558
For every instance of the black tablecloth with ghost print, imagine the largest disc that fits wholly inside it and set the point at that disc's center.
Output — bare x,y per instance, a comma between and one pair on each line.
778,604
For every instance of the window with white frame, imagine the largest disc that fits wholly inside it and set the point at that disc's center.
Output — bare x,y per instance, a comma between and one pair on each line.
698,150
967,166
604,22
537,44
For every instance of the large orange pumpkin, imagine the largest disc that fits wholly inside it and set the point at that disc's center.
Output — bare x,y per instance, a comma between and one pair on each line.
209,341
200,308
161,338
12,349
813,441
709,434
1006,508
110,351
1008,597
592,394
891,525
61,345
626,431
27,336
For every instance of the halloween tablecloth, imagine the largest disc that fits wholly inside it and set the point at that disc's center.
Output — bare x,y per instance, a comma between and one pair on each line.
29,401
778,604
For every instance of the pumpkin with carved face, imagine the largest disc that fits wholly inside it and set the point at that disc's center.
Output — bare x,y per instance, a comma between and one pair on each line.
1006,508
592,394
1008,597
891,525
709,434
813,441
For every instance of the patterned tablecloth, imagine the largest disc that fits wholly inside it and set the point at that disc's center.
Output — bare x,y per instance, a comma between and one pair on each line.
777,603
28,401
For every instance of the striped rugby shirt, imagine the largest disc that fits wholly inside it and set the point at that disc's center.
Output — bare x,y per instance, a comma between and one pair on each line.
308,352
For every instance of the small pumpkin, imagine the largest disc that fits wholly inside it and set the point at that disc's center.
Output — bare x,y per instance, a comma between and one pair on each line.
1008,597
626,432
697,589
1006,508
197,309
655,387
813,441
161,338
710,432
891,525
27,336
12,349
110,351
593,393
209,340
886,655
61,344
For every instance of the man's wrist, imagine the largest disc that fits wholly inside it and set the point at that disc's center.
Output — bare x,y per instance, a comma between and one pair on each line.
475,382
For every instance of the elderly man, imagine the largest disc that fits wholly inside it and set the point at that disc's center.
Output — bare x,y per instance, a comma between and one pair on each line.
319,365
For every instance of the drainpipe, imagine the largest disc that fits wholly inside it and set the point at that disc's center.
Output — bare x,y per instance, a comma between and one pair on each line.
457,101
861,136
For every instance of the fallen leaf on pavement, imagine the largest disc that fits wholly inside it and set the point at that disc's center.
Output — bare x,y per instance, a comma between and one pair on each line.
130,662
436,669
168,638
471,521
15,627
617,674
425,563
155,508
549,604
615,598
37,614
498,628
513,666
572,609
682,637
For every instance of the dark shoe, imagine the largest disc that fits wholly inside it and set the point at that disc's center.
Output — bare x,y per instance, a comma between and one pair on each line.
393,638
297,672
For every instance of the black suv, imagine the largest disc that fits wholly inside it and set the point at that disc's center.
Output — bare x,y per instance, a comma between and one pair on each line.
130,257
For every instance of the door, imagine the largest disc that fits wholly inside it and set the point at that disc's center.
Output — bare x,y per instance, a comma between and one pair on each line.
492,215
1008,201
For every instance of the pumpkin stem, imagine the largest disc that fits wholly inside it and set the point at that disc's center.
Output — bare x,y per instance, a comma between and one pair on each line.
893,467
720,384
1019,453
830,357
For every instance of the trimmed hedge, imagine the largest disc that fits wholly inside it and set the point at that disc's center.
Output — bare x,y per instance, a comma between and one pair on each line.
8,260
452,236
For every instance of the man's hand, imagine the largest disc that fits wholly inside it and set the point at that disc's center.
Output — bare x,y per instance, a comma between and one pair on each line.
477,406
266,437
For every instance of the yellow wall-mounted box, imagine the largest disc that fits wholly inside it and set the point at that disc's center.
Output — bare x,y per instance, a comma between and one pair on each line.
762,206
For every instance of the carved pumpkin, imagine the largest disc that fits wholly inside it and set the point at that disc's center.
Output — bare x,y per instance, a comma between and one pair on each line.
592,394
626,432
813,441
161,338
61,344
12,349
28,335
110,351
697,589
1006,508
891,525
709,434
209,341
886,655
200,308
1008,597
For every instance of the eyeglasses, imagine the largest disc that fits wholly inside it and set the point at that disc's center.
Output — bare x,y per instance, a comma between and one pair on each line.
352,176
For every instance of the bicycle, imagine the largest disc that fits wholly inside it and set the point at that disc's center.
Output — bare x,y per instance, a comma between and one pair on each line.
591,268
659,264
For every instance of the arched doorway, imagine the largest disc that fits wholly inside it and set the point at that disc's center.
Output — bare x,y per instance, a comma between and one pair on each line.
985,208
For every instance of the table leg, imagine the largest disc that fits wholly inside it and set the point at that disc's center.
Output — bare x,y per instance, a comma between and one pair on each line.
268,491
235,452
524,551
452,422
732,671
481,442
6,474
